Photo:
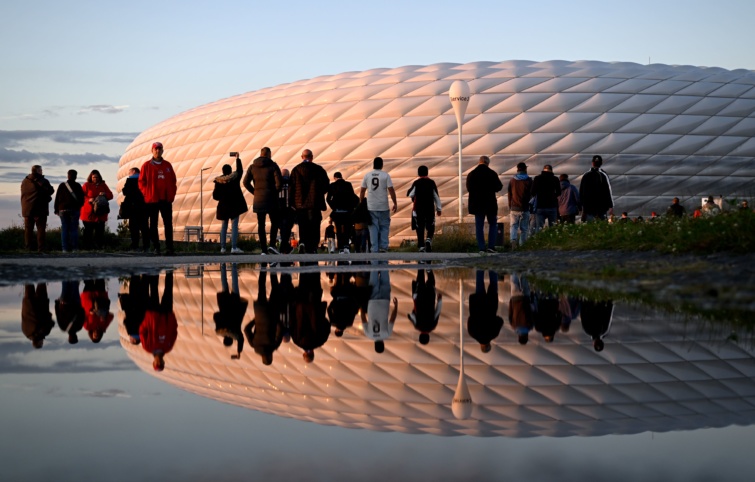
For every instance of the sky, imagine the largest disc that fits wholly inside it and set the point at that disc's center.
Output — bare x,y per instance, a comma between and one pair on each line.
80,79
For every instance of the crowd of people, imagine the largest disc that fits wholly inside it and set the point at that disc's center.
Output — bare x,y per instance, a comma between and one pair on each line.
299,198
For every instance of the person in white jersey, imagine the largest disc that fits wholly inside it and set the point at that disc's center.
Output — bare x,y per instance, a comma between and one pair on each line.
377,185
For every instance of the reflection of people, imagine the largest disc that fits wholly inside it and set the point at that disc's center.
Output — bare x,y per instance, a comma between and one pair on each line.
546,315
569,307
596,320
36,319
309,327
426,312
265,331
96,304
159,329
344,305
134,307
520,308
483,323
378,318
69,311
231,311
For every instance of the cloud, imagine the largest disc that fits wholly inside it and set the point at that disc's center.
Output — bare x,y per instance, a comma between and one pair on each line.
9,139
109,393
13,158
102,108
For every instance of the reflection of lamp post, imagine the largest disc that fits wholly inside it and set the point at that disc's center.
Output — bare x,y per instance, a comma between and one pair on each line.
461,405
459,96
201,204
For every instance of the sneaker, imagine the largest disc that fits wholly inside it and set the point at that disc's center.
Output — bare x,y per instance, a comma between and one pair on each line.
263,254
236,251
382,250
422,249
482,251
272,250
156,252
345,251
222,250
302,249
429,245
491,251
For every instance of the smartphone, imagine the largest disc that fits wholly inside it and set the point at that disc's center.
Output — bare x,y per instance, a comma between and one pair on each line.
234,154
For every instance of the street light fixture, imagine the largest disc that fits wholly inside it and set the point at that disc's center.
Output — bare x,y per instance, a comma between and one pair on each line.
459,96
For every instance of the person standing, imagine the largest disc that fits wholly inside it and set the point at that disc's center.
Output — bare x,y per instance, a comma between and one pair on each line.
710,208
547,189
158,184
568,201
286,216
264,180
231,204
69,199
595,192
36,319
307,188
424,195
133,209
94,212
342,202
36,194
519,205
482,185
376,185
484,324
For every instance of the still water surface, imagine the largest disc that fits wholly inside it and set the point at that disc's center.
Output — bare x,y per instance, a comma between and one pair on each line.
229,372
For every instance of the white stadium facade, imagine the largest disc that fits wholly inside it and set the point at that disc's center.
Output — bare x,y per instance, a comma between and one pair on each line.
662,130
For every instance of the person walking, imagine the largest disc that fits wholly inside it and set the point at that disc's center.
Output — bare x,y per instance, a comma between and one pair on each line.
263,179
69,199
546,189
157,181
426,200
519,190
342,202
133,209
95,210
568,201
36,194
308,185
482,185
595,192
376,185
231,204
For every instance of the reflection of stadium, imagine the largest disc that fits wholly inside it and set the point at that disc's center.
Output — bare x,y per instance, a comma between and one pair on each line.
654,375
663,131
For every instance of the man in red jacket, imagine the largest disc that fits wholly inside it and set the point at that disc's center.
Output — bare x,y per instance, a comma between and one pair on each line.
157,182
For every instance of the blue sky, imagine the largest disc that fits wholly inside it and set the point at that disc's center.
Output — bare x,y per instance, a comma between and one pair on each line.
81,78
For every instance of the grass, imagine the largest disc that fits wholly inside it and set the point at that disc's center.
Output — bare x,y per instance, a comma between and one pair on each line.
730,231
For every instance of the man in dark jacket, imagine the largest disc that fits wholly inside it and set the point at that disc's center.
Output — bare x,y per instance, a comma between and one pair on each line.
568,201
424,194
595,192
547,189
36,194
482,185
36,319
519,190
134,209
307,188
484,324
342,201
231,204
231,311
68,201
263,179
675,209
265,332
69,311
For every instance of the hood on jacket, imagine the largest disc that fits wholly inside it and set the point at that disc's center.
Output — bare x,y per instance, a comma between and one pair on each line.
227,178
521,176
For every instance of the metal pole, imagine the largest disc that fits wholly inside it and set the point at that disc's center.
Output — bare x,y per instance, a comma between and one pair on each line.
461,215
201,204
459,96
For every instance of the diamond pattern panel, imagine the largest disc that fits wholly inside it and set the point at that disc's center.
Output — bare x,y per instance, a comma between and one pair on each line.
520,110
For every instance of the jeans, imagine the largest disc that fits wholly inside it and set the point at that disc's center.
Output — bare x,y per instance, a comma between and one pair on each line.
379,229
234,232
69,229
520,221
546,213
479,222
164,209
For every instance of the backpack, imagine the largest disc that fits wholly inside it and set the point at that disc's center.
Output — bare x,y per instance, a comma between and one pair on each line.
100,205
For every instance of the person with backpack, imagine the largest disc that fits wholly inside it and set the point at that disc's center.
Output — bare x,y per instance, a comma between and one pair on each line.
95,210
68,201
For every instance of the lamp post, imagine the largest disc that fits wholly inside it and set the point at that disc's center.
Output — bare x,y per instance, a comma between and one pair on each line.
461,404
459,96
201,204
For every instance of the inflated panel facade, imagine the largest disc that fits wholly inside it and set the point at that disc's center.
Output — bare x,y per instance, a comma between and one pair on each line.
663,131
